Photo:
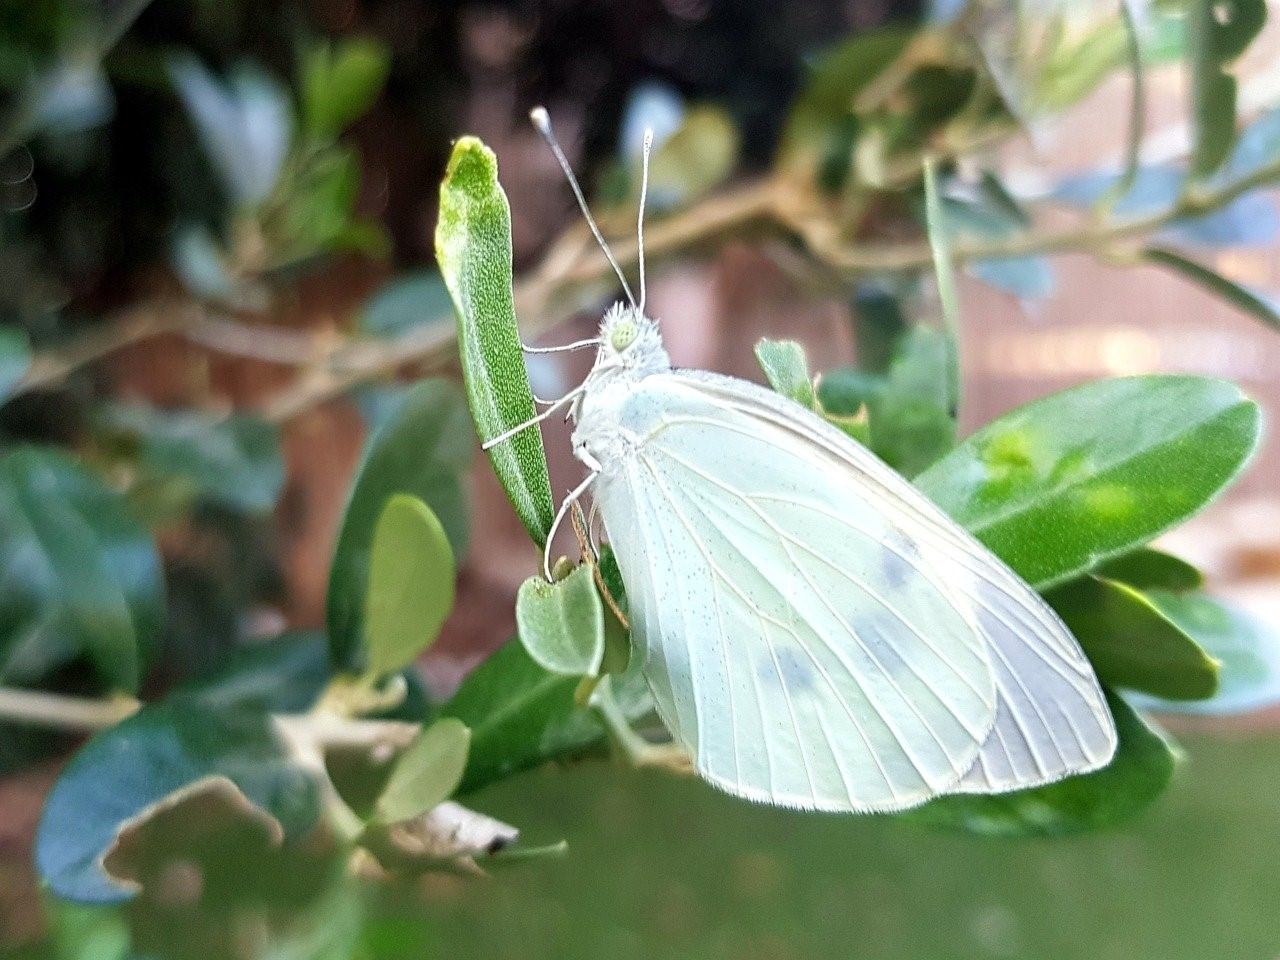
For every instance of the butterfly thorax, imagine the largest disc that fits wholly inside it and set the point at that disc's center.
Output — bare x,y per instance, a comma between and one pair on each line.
631,349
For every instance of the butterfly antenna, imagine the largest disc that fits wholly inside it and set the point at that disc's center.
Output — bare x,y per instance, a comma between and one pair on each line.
644,194
542,121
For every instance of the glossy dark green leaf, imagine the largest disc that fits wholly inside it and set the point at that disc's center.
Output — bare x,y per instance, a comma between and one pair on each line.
473,248
561,624
123,773
339,83
84,576
1247,650
912,415
1130,641
15,358
1140,772
411,575
423,449
1064,483
284,675
1255,304
521,715
233,461
407,302
426,773
1149,569
787,370
1219,31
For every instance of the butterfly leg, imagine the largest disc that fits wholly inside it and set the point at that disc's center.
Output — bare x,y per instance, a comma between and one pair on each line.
533,421
563,512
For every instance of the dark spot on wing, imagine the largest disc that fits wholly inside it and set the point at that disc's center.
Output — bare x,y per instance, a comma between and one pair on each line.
797,672
899,558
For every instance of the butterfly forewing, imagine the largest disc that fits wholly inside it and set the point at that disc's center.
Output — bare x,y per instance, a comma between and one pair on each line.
804,643
1052,719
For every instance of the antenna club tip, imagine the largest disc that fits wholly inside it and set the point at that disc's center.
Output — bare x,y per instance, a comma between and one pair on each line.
541,119
648,137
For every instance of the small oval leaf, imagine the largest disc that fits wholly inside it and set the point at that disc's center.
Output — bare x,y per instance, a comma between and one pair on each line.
1149,569
787,370
422,448
473,248
426,773
411,576
1131,643
561,624
1247,650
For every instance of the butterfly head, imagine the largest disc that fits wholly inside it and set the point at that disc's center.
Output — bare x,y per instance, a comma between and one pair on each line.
630,340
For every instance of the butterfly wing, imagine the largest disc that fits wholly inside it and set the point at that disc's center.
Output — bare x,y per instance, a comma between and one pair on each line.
800,639
1052,720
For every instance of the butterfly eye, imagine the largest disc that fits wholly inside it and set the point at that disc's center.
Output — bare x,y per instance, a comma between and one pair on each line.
623,335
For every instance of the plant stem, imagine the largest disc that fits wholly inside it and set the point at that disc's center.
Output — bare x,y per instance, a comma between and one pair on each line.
60,712
572,273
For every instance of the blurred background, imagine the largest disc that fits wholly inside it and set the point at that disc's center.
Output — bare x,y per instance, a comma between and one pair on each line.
168,276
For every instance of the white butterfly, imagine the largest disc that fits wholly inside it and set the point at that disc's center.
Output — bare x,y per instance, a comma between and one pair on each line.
814,630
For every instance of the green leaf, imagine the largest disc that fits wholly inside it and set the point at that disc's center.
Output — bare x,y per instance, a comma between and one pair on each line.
245,124
1150,569
912,415
81,932
944,271
15,358
1064,483
787,370
700,155
1131,643
340,82
1140,772
561,624
1246,648
426,773
423,450
231,461
1257,305
1219,32
284,675
818,133
417,299
318,213
84,576
1133,20
411,575
125,774
880,322
521,715
473,248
